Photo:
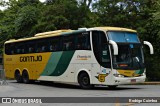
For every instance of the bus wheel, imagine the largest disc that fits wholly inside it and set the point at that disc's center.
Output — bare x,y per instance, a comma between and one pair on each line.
25,77
112,86
18,77
84,81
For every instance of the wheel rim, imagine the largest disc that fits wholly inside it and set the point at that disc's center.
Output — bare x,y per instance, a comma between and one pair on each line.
85,81
25,77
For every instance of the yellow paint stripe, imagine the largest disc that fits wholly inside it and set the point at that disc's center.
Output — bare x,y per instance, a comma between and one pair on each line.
128,73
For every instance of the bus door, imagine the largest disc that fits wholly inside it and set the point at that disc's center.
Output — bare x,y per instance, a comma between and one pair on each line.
102,54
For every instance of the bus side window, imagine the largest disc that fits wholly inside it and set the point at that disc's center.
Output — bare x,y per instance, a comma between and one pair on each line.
54,44
87,41
8,49
20,48
79,42
53,47
31,46
41,46
18,51
23,51
83,41
30,50
45,47
16,48
12,48
68,43
64,46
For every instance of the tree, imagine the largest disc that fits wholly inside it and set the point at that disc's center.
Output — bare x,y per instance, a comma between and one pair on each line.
117,13
66,14
27,18
18,19
151,33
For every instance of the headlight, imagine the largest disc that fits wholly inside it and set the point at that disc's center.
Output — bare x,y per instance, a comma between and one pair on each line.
118,75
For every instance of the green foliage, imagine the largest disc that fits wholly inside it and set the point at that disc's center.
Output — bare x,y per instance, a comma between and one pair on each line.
27,17
152,34
24,18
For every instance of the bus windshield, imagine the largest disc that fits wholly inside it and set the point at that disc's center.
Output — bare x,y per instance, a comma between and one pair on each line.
123,37
130,55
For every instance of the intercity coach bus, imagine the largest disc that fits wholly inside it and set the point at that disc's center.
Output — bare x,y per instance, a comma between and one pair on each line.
88,56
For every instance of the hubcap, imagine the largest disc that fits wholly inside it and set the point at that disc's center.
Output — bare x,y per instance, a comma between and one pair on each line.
85,81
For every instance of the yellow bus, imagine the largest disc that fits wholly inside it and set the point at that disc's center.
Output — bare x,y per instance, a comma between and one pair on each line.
88,56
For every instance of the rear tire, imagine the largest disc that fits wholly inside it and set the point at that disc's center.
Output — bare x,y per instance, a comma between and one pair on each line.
84,81
25,77
18,77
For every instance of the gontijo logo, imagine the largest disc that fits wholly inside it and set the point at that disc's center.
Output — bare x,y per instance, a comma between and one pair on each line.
85,57
30,58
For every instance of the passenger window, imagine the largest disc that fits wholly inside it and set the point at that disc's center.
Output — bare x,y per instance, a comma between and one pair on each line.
8,49
68,43
83,41
54,44
20,48
31,47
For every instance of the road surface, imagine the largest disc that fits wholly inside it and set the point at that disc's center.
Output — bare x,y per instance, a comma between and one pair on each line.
45,89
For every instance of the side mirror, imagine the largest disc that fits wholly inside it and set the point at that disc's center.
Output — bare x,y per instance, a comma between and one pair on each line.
115,47
150,46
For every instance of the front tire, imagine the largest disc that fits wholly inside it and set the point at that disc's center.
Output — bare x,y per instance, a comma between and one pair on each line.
84,81
25,77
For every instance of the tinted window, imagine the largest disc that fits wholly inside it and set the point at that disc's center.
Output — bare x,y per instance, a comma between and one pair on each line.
101,49
78,41
42,46
68,43
83,41
7,50
123,37
55,44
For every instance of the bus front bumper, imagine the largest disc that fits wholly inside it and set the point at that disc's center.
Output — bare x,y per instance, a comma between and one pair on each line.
132,80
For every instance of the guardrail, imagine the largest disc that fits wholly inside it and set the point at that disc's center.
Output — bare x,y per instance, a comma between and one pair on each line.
2,77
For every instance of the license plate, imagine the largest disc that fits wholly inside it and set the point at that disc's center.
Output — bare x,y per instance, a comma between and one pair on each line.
133,80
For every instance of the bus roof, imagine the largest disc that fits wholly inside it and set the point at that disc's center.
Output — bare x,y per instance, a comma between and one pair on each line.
114,29
42,35
66,32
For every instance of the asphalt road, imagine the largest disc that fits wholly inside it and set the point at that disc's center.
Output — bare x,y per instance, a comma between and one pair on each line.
38,89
